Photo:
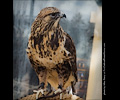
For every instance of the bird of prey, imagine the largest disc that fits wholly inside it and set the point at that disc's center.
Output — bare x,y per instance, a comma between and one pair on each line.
51,51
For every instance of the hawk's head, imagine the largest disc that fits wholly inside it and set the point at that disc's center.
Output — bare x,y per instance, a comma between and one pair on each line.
50,15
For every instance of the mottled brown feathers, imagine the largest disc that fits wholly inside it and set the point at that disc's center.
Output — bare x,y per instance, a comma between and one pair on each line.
51,50
47,11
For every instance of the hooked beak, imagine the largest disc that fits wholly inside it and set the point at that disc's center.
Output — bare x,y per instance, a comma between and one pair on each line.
62,15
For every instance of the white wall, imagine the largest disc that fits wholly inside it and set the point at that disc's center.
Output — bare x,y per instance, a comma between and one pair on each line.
94,91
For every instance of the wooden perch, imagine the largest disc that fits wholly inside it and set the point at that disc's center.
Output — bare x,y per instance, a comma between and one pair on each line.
50,96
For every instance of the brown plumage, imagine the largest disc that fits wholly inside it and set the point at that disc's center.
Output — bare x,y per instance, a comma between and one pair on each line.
51,51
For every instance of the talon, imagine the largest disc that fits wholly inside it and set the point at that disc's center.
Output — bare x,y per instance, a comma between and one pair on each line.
61,96
67,91
50,92
43,95
58,91
39,91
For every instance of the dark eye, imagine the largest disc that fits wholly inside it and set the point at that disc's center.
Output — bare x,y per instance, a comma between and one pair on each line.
53,14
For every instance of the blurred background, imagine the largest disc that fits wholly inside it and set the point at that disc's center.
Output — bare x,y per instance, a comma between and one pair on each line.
77,25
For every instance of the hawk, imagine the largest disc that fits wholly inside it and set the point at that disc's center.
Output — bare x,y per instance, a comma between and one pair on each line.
51,51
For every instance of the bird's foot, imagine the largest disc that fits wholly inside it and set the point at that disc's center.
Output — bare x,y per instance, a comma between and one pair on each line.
59,91
67,91
39,91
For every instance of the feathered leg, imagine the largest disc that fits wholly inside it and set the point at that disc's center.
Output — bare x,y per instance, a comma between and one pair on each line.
60,86
63,75
42,73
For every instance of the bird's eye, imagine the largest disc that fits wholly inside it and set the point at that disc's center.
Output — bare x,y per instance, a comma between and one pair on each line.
53,14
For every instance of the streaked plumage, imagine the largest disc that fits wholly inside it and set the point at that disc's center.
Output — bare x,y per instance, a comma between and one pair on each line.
51,51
